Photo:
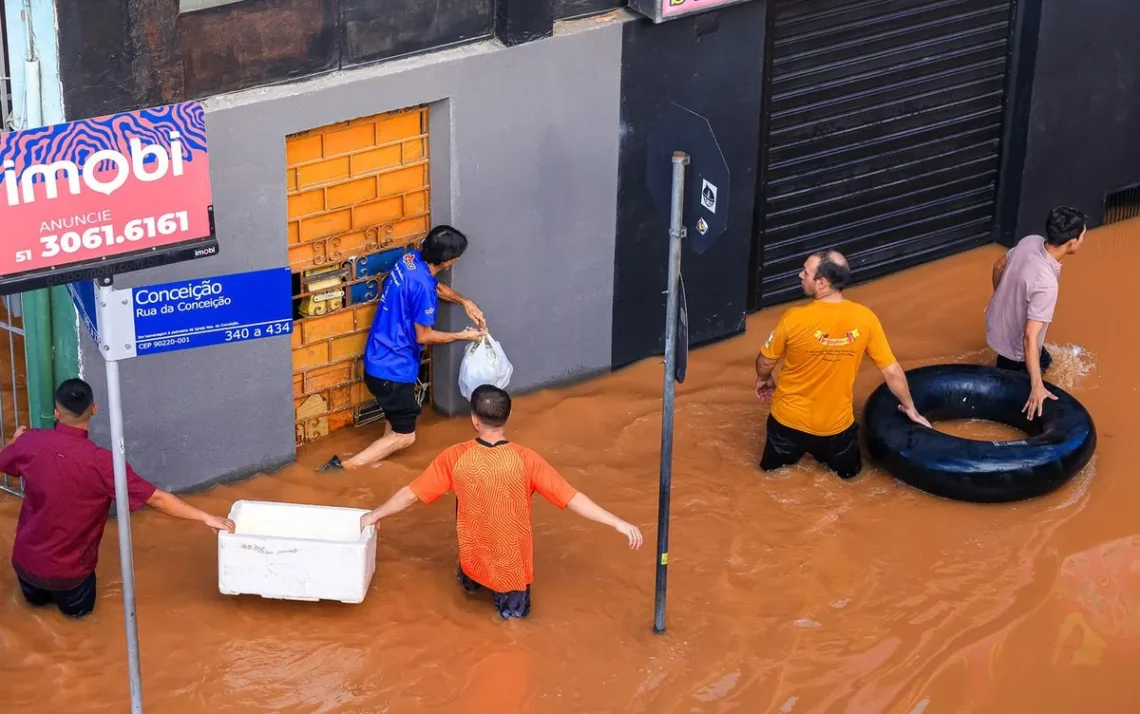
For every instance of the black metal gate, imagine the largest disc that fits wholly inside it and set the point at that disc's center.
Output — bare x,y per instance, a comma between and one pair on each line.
881,134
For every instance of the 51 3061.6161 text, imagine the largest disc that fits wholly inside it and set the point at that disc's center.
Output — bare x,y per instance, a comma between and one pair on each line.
97,237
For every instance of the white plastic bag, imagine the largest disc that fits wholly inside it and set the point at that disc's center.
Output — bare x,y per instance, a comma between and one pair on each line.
484,363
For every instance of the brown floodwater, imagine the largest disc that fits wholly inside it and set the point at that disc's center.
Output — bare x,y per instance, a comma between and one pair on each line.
789,593
979,429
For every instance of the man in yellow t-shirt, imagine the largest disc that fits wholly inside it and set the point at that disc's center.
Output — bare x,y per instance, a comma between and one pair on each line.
822,345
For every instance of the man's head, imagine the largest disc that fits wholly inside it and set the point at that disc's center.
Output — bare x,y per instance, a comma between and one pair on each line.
74,402
824,273
490,408
443,246
1065,229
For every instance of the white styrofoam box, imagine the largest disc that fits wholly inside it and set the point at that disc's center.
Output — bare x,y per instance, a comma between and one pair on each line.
290,551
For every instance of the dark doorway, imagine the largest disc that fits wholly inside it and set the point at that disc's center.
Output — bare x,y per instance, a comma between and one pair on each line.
882,134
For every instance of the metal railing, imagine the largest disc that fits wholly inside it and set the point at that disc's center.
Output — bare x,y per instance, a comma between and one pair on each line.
14,410
1122,205
11,322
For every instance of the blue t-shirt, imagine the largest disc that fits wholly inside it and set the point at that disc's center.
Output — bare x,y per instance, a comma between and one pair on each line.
408,299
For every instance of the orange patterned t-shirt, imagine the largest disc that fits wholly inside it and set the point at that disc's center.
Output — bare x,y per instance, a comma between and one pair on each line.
493,485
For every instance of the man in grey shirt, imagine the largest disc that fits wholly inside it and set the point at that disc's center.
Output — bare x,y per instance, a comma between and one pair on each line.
1025,294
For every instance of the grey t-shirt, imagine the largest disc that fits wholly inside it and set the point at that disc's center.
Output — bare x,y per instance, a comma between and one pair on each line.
1027,291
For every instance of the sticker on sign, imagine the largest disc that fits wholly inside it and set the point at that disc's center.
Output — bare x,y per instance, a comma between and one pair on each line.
112,191
708,196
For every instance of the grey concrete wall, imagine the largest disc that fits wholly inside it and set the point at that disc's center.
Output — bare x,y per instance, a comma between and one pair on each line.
195,417
524,148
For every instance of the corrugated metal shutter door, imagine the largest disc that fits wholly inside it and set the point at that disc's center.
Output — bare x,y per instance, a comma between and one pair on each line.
883,133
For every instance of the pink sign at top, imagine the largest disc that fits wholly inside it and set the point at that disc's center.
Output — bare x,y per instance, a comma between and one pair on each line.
669,8
90,190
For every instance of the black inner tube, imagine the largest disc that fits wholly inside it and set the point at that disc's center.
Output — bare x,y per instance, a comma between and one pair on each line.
1057,445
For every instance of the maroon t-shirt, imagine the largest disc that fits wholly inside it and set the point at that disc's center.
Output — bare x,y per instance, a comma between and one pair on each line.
69,486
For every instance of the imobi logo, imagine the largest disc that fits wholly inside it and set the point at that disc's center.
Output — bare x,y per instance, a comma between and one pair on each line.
105,182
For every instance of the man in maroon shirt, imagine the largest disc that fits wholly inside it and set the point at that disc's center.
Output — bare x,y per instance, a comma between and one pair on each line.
69,485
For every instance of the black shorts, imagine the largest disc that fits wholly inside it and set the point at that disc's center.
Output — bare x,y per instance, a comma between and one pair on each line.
515,603
786,446
1006,363
77,602
398,400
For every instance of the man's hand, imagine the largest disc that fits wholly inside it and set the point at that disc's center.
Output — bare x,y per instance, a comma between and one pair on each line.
368,519
219,524
18,433
631,532
475,314
472,334
914,416
765,387
1035,405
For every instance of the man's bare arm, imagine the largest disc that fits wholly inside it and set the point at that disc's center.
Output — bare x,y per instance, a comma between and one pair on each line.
430,336
400,500
999,269
764,367
583,506
1031,342
170,505
448,294
765,382
895,378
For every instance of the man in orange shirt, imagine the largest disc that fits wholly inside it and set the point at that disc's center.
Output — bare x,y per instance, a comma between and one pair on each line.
493,480
822,345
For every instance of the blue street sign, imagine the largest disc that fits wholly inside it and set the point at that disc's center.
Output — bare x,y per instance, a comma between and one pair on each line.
212,311
189,313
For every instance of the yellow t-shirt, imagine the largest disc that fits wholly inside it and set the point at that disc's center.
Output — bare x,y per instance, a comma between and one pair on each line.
823,345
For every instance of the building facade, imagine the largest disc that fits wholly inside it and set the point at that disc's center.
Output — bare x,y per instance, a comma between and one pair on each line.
899,131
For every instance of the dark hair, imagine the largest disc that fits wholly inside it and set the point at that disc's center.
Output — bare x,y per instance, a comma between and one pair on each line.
832,268
491,404
74,397
1064,224
444,243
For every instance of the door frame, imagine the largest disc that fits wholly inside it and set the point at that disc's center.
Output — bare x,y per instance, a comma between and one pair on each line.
756,260
1020,74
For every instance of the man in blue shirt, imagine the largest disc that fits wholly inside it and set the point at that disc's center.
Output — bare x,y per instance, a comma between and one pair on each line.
405,320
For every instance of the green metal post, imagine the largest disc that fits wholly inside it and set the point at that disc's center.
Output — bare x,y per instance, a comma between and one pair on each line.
37,350
64,336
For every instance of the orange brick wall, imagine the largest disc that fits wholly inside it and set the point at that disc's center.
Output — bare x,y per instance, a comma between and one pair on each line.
356,188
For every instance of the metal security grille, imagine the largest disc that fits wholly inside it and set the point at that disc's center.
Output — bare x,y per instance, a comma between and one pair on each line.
882,133
1122,205
14,408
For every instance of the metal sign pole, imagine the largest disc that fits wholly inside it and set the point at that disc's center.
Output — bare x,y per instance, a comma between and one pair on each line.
676,233
122,511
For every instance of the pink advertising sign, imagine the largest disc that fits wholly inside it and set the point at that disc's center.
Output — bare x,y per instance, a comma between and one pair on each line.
670,8
108,191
